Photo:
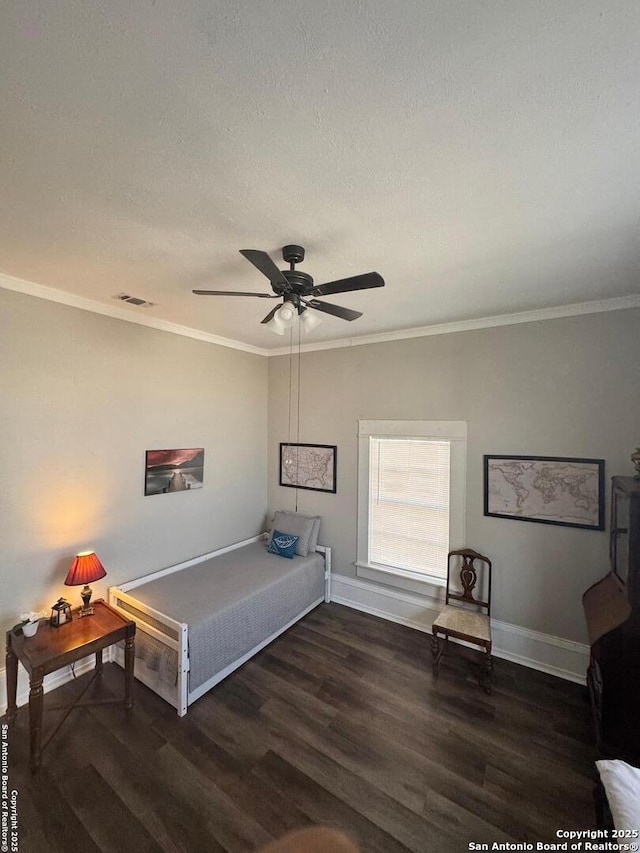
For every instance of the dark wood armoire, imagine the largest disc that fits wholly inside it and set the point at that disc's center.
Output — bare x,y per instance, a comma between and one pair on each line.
612,611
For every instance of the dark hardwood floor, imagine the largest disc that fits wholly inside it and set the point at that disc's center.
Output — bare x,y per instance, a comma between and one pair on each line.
339,722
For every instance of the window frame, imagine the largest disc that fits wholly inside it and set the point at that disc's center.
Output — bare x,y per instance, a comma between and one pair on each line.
452,431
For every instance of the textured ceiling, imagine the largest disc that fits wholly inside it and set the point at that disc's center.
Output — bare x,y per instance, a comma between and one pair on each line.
483,156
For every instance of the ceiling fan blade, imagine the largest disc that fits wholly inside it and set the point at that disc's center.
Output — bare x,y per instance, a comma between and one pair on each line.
263,262
234,293
336,310
343,285
269,316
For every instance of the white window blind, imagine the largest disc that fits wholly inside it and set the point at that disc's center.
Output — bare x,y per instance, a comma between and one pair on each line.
409,503
411,500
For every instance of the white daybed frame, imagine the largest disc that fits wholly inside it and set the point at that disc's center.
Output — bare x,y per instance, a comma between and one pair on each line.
175,635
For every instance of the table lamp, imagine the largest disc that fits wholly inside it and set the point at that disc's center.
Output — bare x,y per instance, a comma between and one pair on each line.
85,569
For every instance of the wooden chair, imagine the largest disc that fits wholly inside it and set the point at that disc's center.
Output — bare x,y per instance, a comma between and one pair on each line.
469,619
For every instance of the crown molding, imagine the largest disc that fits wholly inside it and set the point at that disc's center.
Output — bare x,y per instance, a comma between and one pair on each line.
618,303
84,304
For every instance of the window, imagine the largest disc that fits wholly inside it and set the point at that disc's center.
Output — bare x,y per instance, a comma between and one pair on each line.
411,497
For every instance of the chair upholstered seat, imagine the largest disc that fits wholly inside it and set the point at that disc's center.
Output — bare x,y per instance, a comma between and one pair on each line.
465,623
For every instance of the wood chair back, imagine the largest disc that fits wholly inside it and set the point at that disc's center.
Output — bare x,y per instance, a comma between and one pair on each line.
469,577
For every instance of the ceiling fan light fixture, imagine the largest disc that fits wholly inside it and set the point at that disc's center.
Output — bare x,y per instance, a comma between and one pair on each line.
309,320
287,313
276,325
282,319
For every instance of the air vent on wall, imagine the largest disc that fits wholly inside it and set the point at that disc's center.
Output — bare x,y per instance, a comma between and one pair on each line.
134,300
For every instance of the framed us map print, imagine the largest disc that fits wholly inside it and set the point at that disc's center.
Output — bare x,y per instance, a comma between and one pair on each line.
308,466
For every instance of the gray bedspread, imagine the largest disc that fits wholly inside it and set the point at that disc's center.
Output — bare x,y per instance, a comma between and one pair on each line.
234,601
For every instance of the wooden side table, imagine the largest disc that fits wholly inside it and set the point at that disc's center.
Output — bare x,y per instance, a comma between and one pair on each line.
51,649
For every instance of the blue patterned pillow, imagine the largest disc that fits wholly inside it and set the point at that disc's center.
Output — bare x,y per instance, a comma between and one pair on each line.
283,544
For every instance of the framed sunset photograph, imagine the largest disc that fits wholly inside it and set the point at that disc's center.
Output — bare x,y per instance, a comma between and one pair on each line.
179,470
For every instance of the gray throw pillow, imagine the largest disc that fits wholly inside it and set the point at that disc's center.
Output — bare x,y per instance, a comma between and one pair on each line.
315,532
301,526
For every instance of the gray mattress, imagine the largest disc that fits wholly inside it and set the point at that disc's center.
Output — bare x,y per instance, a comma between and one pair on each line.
234,601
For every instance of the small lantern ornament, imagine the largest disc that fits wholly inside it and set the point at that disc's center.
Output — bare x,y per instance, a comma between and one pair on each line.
60,613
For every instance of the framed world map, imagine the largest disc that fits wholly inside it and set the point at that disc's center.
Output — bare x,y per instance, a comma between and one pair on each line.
546,489
308,466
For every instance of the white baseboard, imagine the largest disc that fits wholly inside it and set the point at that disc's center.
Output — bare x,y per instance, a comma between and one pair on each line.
564,658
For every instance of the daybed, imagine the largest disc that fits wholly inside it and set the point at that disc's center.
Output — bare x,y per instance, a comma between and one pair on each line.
200,620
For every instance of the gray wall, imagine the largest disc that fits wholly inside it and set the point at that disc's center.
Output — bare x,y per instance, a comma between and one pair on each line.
568,387
82,397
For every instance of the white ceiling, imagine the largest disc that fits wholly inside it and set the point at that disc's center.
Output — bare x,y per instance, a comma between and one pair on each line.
482,155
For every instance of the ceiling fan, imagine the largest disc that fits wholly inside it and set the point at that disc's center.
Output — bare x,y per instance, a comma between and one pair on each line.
297,290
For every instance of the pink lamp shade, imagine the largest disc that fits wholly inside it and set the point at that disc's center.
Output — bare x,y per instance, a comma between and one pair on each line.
86,568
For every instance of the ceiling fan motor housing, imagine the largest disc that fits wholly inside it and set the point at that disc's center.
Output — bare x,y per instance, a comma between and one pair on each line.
300,283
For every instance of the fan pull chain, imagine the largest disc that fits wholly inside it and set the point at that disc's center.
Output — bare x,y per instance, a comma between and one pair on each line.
299,391
290,378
